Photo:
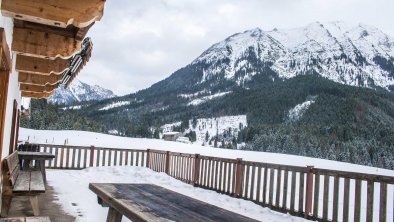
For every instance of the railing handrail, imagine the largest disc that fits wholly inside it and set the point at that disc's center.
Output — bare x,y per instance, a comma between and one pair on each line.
68,146
321,171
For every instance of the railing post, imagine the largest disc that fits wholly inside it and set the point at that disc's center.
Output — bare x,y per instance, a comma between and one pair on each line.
309,191
238,178
196,171
168,162
148,158
91,155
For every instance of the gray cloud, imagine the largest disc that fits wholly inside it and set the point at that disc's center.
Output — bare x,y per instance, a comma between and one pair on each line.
138,43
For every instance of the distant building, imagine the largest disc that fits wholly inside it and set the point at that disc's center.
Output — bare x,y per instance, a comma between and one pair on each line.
171,136
182,139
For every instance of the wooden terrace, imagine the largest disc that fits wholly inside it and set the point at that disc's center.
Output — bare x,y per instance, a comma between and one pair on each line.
312,193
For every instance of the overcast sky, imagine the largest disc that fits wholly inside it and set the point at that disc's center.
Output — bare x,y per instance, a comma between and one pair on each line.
140,42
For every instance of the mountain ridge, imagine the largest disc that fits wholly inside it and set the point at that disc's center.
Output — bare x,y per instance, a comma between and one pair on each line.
79,91
344,54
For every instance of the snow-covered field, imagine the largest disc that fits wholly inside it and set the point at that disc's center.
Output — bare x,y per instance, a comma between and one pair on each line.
76,198
82,138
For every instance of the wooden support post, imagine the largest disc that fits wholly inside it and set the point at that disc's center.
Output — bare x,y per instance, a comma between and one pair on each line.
91,155
148,158
34,205
196,171
309,191
238,178
168,162
113,215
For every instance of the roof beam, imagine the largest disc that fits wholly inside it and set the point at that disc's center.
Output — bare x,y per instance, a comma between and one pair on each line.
36,95
43,44
60,13
34,79
41,66
5,54
37,88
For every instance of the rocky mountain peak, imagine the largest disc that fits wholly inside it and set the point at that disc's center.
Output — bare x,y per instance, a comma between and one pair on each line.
79,91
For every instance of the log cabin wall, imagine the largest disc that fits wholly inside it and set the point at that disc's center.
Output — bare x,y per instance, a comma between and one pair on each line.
12,92
41,43
9,88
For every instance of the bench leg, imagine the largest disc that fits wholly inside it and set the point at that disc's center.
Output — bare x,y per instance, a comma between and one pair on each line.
34,205
5,205
113,215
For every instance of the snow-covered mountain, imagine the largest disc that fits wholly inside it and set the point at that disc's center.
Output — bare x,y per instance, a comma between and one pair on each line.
357,55
79,91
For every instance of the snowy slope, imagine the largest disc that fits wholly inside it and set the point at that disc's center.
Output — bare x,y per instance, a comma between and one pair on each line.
79,91
298,111
115,105
357,55
217,126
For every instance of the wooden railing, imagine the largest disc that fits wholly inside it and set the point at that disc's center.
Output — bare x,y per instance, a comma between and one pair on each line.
80,157
313,193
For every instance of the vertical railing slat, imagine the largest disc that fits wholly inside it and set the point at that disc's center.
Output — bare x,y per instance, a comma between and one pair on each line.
383,202
301,193
346,200
357,201
336,195
370,194
278,185
325,196
98,157
271,194
316,195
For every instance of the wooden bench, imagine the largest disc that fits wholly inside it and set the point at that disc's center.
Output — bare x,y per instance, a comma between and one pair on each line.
26,219
20,183
148,202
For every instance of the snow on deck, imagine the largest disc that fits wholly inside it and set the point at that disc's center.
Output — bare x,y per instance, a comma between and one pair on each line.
76,198
82,138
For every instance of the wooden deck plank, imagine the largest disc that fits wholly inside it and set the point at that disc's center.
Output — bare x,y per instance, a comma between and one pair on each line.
14,219
153,203
38,219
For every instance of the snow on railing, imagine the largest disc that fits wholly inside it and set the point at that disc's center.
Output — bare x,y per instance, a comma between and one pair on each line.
313,193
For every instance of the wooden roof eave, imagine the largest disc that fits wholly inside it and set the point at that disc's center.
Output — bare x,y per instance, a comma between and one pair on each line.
59,13
41,66
36,95
35,79
38,88
44,84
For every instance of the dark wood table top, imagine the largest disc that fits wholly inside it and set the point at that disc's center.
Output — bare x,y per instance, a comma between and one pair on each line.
148,202
35,155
